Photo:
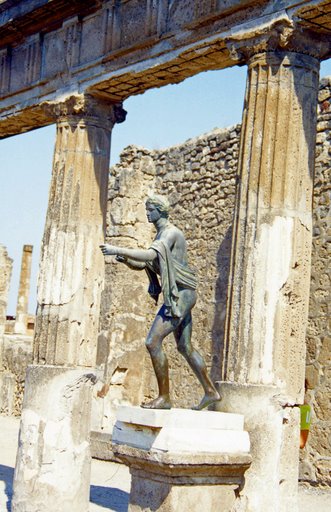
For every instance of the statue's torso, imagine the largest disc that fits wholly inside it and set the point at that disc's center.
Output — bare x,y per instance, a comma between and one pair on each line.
175,240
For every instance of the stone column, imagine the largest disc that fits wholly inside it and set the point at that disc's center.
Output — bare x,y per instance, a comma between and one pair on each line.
6,265
53,462
264,355
72,266
24,290
6,378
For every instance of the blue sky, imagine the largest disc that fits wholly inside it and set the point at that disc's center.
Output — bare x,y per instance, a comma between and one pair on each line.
156,119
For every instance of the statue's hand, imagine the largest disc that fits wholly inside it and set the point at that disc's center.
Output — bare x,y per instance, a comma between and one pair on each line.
108,250
121,259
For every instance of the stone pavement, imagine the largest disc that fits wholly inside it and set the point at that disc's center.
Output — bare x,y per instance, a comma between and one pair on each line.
110,482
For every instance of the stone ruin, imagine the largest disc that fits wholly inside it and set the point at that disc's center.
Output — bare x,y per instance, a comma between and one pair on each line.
199,177
73,64
16,334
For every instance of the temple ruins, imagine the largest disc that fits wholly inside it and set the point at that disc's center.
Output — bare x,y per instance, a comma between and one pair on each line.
73,64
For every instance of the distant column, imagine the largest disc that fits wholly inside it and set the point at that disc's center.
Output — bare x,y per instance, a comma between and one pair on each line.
53,462
6,266
23,292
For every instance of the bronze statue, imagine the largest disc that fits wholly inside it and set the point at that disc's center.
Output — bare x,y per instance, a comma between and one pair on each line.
167,258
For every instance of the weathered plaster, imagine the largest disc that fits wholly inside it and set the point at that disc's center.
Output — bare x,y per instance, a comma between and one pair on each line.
266,298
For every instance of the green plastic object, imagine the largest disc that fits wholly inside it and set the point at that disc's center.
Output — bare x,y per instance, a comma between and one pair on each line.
305,412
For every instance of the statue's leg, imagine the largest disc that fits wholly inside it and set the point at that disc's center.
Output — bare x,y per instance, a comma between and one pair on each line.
162,326
183,335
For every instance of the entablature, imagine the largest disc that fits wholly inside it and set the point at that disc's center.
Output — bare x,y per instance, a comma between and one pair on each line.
51,49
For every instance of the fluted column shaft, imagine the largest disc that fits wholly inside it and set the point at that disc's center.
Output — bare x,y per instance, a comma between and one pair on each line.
269,289
264,355
72,267
24,290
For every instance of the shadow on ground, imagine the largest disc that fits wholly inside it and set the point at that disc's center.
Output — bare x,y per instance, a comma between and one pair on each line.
6,482
106,497
109,497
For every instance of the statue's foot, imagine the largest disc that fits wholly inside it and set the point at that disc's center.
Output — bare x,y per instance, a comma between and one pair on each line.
208,399
158,403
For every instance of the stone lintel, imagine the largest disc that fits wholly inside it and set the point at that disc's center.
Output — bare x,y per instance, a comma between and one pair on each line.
20,19
167,44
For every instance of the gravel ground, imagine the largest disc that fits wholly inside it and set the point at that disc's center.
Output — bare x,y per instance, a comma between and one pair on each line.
110,482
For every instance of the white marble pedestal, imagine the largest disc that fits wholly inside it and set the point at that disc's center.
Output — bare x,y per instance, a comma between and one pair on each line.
181,459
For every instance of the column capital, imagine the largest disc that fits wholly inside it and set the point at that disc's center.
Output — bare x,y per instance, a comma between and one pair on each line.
280,35
86,109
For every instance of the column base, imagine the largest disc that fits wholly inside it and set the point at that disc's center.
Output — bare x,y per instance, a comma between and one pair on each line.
178,459
53,460
272,480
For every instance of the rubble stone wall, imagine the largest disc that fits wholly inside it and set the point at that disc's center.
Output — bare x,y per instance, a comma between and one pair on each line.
315,458
15,356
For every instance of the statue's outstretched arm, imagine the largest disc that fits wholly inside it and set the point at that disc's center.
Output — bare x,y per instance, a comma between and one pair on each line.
133,264
134,254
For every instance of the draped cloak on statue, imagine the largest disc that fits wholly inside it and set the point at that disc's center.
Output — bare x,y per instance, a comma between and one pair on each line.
172,274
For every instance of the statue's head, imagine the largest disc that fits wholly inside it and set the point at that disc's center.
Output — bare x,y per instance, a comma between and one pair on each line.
160,203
